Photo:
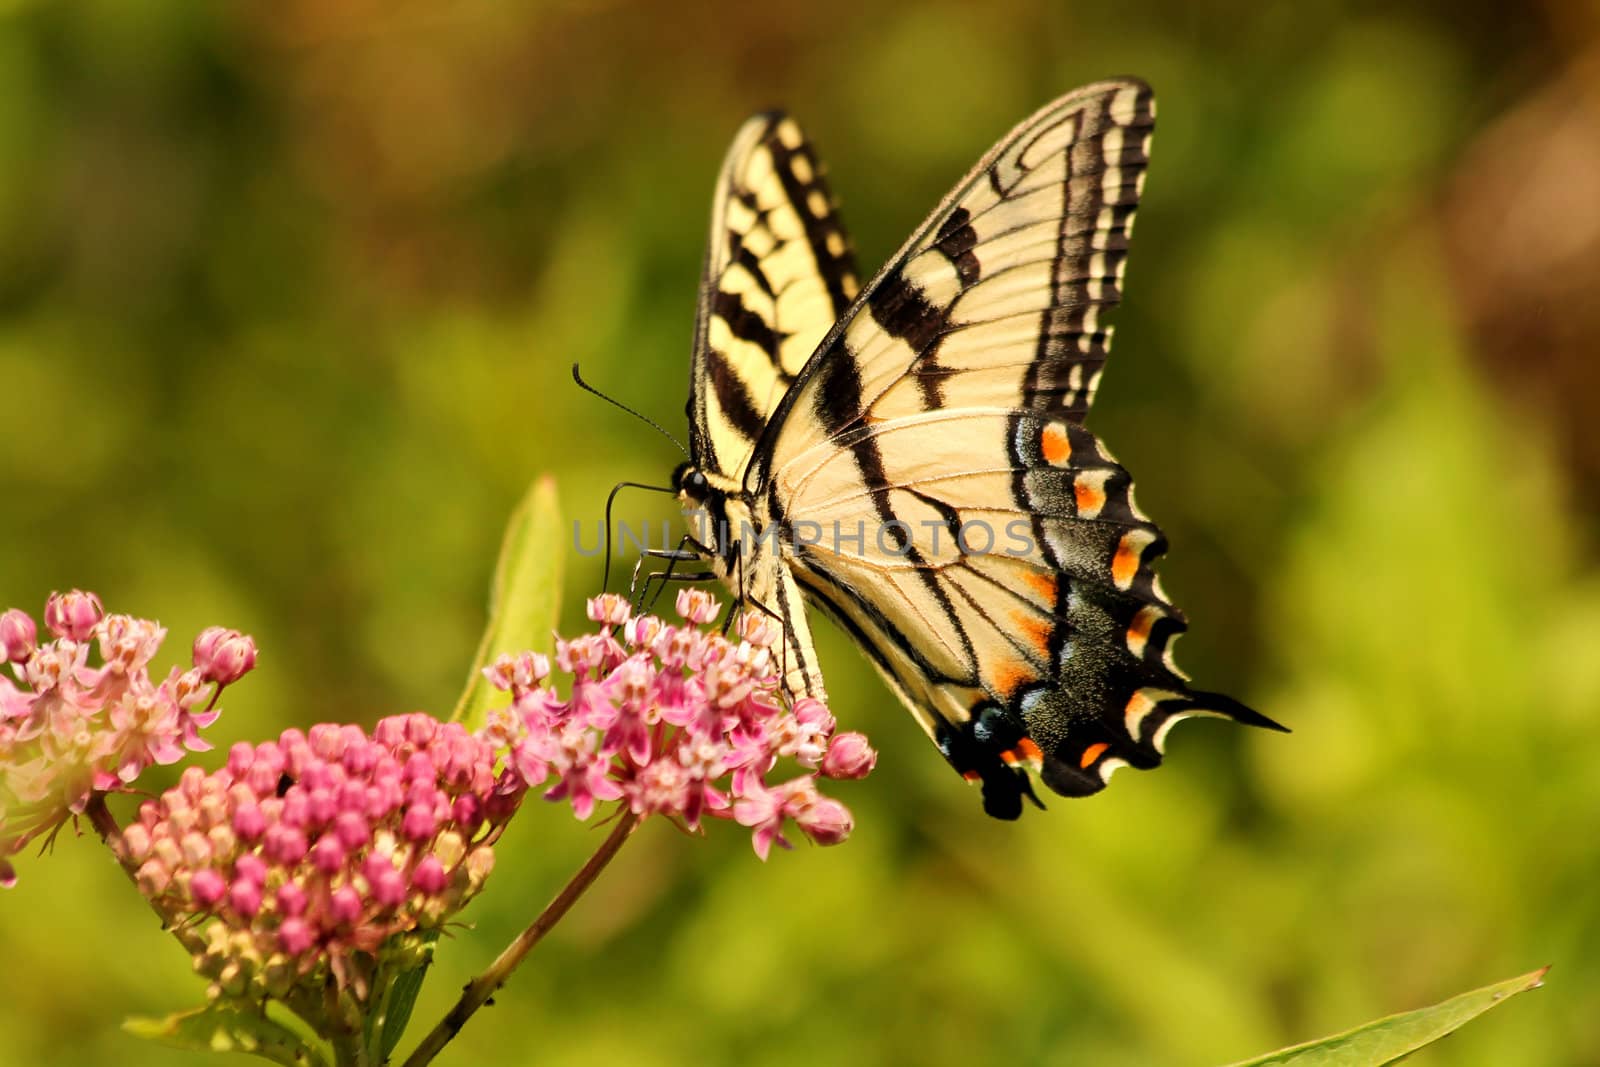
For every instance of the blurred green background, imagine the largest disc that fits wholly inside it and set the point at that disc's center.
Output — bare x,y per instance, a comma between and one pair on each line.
288,294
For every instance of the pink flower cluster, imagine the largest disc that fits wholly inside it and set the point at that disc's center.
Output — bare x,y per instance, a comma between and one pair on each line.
320,846
69,729
677,721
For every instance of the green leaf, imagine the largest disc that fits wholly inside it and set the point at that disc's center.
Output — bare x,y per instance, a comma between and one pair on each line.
400,997
228,1027
1397,1036
525,595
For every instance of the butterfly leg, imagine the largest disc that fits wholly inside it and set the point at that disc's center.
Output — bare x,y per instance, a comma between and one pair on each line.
656,584
738,604
641,594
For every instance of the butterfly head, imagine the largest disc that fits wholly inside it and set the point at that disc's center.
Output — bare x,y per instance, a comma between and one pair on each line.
722,524
690,483
705,507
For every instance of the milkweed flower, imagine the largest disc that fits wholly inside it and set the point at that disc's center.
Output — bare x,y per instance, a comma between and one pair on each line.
71,728
294,865
675,720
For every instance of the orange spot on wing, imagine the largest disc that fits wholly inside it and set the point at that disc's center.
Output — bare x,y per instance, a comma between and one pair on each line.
1054,444
1029,750
1125,563
1036,631
1139,629
1090,498
1092,753
1009,677
1044,584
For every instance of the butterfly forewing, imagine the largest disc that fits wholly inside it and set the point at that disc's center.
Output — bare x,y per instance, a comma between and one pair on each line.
779,272
997,298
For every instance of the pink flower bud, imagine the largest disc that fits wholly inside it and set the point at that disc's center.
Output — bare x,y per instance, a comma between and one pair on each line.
388,888
321,806
419,823
136,840
153,878
642,631
480,863
419,769
813,714
196,849
420,728
249,868
248,822
344,907
825,821
18,636
351,829
166,851
284,845
429,877
758,628
609,608
73,614
244,897
468,811
294,936
295,807
222,655
359,759
697,605
207,887
849,756
327,855
291,899
327,740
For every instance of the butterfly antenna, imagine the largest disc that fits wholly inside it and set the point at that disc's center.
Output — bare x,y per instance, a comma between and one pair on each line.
605,577
586,387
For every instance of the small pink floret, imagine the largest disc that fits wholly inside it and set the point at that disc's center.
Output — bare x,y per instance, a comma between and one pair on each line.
224,656
849,756
18,636
825,821
73,615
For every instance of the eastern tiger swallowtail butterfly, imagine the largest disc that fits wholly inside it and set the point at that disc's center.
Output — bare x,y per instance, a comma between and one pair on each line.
909,456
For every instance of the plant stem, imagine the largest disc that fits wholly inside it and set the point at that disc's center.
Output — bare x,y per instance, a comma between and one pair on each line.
480,989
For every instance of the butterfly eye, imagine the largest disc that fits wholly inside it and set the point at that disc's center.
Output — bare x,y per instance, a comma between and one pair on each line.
686,478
